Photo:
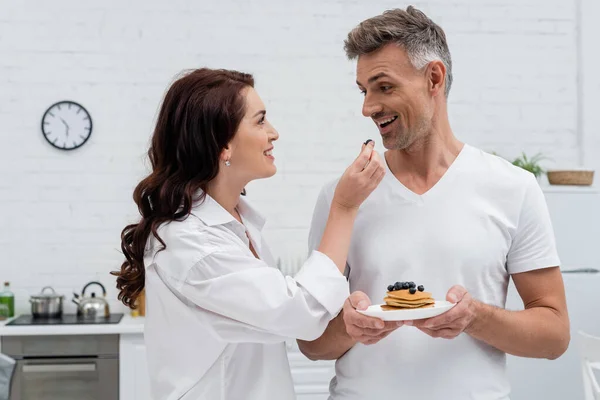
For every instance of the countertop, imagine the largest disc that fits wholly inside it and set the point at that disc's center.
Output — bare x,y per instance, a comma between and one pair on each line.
127,325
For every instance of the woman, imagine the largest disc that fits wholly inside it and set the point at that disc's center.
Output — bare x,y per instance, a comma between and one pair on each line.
218,311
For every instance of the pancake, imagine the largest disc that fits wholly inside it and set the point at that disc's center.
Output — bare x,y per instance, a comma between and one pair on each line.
404,299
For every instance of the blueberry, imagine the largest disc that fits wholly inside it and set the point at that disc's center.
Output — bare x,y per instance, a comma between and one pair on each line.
421,288
397,287
398,284
390,288
411,284
405,285
412,290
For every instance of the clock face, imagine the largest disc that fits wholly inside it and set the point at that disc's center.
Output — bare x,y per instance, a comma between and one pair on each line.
66,125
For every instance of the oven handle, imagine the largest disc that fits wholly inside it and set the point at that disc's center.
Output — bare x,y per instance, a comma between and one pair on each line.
59,368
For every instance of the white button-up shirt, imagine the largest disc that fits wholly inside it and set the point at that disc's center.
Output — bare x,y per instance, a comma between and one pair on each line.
217,317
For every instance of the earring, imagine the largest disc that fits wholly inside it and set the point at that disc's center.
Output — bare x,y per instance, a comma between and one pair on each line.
227,163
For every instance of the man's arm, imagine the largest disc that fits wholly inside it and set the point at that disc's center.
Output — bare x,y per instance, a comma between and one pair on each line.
347,329
540,331
333,344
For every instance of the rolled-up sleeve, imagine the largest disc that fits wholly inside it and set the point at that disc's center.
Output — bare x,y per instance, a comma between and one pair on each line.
257,303
319,274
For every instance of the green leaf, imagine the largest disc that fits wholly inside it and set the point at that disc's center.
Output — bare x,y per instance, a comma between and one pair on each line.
531,164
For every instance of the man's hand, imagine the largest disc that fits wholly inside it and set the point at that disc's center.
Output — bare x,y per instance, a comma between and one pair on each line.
361,328
452,323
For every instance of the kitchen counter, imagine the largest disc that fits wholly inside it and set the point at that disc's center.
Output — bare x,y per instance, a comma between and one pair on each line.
127,325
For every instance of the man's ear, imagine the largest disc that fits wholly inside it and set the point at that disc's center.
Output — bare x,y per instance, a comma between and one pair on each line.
436,77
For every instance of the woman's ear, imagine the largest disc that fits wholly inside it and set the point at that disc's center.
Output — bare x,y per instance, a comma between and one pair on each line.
225,154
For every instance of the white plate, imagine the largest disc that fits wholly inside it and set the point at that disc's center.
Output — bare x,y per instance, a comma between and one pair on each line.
409,314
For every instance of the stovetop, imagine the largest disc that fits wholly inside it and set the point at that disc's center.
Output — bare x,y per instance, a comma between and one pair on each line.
66,319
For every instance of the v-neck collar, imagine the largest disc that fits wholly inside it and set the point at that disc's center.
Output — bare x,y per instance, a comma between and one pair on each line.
444,180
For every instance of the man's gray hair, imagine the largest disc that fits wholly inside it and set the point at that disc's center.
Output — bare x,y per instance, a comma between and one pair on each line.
423,40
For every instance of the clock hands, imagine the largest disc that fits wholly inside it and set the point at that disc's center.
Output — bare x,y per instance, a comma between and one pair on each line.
66,125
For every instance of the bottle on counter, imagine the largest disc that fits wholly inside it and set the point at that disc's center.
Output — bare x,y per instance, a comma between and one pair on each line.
8,298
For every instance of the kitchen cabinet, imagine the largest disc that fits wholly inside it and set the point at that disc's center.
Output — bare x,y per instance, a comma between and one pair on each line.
133,369
130,378
70,367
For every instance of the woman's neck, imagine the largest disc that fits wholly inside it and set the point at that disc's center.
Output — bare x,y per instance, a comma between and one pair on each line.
226,194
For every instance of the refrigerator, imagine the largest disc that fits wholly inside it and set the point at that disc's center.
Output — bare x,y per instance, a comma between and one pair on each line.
575,215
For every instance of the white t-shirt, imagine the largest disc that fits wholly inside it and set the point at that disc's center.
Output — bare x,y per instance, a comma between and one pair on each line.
484,220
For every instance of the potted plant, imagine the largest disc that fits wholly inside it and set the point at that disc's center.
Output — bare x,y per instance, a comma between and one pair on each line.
530,164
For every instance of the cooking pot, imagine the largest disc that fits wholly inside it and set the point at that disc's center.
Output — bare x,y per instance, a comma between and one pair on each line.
46,305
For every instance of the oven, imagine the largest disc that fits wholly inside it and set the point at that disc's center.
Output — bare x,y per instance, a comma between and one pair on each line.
64,367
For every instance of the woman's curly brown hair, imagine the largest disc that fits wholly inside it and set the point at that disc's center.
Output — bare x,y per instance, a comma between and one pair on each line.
198,118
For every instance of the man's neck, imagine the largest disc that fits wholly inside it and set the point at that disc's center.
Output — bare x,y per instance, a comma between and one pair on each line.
420,166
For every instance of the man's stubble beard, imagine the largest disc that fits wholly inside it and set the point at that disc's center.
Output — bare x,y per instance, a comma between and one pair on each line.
404,138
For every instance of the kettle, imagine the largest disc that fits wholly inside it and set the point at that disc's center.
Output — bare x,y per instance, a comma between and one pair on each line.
92,307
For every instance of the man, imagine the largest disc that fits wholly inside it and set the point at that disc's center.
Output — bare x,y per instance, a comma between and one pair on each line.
448,216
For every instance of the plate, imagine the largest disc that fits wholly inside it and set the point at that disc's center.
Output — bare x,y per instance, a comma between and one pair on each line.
408,314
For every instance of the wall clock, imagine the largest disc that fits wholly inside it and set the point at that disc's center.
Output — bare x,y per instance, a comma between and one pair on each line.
66,125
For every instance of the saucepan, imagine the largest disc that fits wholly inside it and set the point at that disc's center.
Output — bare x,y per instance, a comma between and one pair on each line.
46,305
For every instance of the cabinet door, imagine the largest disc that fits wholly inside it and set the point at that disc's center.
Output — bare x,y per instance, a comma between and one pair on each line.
66,379
311,378
134,381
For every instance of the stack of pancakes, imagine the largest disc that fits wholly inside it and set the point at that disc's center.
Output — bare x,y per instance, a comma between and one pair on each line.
398,299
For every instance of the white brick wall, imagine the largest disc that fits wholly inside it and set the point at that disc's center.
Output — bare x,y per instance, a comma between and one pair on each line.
515,67
590,82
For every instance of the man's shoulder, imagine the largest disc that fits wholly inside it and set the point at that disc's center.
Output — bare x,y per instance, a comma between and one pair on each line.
494,168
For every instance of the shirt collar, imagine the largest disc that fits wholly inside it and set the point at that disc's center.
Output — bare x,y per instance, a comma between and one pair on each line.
212,213
250,214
